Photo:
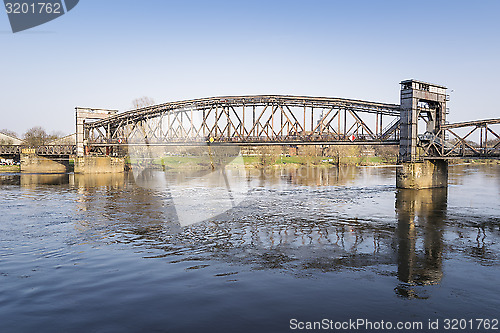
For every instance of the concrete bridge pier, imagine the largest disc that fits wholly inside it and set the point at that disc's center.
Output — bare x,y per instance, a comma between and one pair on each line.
88,164
32,163
99,164
420,175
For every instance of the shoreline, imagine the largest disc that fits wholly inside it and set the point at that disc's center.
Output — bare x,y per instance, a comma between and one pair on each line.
10,168
289,162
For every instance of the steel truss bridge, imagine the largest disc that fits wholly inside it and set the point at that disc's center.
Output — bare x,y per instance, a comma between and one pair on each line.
250,120
269,120
283,120
457,145
46,150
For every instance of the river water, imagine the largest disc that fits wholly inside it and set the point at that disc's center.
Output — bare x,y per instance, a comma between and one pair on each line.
107,253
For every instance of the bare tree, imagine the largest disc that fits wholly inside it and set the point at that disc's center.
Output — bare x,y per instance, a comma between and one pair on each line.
37,136
56,135
344,153
9,132
388,153
142,102
492,143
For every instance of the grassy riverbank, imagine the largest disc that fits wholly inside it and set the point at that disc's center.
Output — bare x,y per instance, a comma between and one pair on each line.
10,168
316,160
473,161
202,162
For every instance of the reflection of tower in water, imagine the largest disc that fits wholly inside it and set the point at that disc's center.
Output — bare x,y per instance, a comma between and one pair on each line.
421,215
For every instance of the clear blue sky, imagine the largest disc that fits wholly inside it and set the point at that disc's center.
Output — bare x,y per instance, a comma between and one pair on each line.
106,53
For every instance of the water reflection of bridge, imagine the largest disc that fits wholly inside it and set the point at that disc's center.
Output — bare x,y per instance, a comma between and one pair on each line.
259,234
425,209
297,240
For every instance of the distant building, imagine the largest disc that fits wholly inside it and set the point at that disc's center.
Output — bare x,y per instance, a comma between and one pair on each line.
10,140
65,140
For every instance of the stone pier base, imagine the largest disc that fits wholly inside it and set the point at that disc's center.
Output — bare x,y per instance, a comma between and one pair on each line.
99,164
426,174
31,163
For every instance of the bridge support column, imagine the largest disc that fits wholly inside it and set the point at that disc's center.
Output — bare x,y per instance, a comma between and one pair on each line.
419,175
425,103
31,163
99,164
82,115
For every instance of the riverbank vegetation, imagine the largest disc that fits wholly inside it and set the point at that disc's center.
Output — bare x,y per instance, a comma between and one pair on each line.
33,137
272,156
275,156
10,168
321,155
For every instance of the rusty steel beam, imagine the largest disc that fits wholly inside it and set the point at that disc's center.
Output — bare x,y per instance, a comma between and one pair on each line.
254,143
478,123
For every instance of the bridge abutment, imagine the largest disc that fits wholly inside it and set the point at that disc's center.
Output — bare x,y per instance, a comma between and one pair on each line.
420,175
32,163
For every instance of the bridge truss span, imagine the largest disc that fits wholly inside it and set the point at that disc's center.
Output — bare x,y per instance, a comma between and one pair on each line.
469,139
250,120
44,150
